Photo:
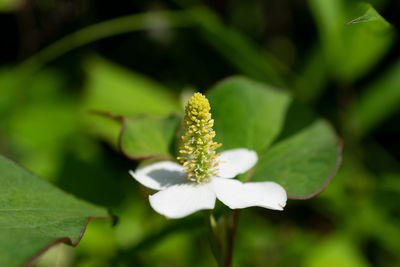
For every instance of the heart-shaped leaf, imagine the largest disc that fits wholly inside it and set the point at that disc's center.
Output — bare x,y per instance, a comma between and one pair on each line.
35,215
145,137
303,163
247,113
295,149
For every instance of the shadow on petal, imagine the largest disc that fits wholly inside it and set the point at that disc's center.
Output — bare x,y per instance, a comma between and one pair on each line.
160,175
166,178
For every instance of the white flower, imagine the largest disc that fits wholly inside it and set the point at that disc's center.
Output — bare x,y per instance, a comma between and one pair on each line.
179,197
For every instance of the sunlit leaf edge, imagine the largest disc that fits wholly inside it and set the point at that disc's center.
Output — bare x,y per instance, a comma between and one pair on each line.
67,240
370,14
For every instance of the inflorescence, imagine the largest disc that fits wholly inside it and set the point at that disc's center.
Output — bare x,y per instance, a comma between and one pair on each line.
198,149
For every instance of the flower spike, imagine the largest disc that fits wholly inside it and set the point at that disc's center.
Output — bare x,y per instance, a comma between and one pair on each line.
197,152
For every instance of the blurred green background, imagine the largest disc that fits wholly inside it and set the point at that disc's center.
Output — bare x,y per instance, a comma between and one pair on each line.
56,70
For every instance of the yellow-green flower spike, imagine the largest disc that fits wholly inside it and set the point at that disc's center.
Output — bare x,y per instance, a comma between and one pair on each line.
197,152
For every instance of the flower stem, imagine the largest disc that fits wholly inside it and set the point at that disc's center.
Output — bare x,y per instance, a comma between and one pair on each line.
213,237
221,236
231,237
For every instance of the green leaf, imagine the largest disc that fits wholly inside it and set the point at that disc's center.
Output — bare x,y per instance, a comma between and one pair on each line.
145,137
351,48
302,163
113,89
35,215
369,15
247,113
295,149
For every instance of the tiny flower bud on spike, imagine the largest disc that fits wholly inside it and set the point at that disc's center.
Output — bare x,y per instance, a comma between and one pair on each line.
198,149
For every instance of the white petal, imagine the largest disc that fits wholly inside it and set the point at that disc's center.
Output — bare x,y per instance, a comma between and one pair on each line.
236,161
238,195
160,175
181,200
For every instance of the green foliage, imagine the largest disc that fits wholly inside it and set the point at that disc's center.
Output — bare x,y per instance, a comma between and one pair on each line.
378,101
351,46
313,77
117,91
348,71
252,115
369,15
9,5
29,110
130,23
303,163
247,113
144,137
35,215
336,251
237,48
